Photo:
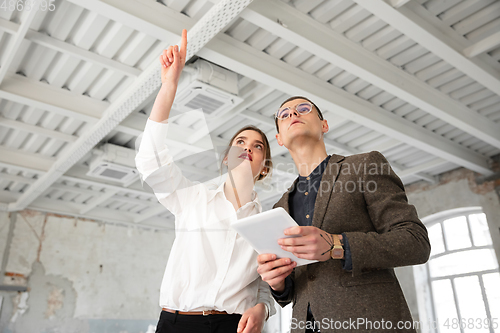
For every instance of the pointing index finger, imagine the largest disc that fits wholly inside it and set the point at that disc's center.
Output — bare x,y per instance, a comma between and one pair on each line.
183,44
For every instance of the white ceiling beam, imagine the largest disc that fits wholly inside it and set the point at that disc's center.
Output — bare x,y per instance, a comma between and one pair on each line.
34,161
82,54
20,168
42,96
66,48
17,179
37,130
94,202
422,167
134,14
15,42
262,67
413,21
9,26
397,3
485,45
322,41
389,144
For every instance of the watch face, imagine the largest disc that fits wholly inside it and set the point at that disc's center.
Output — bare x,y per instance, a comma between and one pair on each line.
338,253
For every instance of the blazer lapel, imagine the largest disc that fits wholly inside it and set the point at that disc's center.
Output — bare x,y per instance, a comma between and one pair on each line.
283,202
325,189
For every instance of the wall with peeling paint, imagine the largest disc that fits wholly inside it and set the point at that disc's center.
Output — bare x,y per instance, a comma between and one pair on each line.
82,276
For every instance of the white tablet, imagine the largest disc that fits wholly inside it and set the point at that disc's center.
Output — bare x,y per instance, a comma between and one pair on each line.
263,230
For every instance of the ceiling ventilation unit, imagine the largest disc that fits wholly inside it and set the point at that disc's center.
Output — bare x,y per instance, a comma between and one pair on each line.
114,163
209,87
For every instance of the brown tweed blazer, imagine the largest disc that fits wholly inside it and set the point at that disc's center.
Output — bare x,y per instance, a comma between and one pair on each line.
363,197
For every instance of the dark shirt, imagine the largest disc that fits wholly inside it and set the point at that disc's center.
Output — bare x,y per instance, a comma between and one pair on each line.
301,203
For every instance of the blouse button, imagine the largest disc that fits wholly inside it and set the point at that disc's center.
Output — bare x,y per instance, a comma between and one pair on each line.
307,216
306,193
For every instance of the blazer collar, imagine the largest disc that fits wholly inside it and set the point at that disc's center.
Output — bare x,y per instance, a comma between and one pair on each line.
324,192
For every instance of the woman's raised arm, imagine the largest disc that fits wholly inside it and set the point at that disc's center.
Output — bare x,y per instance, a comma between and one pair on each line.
172,62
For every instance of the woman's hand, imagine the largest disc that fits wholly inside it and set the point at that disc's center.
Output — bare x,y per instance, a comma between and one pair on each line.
172,61
252,321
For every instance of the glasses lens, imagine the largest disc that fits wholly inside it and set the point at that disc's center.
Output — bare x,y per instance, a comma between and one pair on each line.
283,113
304,108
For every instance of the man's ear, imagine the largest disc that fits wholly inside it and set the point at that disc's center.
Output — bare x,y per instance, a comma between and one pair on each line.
278,138
325,127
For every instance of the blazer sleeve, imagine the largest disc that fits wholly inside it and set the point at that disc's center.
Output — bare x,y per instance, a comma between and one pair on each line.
264,296
288,294
400,238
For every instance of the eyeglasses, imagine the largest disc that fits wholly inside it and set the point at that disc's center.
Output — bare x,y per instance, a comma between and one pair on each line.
302,109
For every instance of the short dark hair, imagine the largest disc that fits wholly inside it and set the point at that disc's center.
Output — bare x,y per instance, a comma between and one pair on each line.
320,115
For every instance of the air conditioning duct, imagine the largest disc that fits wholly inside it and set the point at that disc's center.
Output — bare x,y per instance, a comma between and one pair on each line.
114,163
209,87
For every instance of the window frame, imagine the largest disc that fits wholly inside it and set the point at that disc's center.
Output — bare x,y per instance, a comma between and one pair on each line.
423,278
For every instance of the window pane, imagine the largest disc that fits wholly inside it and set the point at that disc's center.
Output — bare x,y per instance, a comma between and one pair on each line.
470,303
436,239
463,262
456,233
479,227
492,286
445,305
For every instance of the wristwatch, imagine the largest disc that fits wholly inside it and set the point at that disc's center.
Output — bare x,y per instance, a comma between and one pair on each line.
337,252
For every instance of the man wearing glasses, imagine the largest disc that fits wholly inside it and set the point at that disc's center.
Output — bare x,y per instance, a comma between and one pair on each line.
353,218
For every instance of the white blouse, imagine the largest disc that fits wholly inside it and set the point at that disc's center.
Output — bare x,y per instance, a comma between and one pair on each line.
210,266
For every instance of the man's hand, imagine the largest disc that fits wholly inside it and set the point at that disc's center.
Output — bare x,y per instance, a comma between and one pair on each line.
312,243
253,319
274,271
